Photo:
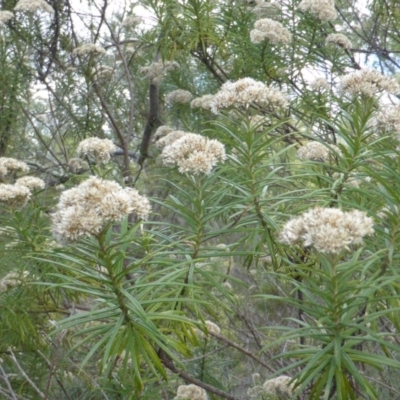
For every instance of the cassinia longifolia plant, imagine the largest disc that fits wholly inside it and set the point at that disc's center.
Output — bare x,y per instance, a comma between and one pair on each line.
200,199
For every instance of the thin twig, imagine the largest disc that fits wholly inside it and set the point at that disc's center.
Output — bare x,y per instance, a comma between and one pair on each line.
39,136
5,377
205,355
5,394
36,389
52,366
241,349
129,133
153,116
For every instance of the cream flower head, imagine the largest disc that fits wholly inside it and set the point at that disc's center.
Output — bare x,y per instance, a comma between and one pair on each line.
193,153
89,48
14,196
31,182
33,6
246,91
328,230
191,392
321,9
267,29
97,148
178,96
279,386
368,83
87,208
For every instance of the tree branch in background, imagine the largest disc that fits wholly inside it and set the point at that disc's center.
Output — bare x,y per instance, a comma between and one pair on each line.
242,350
24,374
167,362
124,144
152,121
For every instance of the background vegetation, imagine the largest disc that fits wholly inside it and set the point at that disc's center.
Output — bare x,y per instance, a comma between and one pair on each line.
122,314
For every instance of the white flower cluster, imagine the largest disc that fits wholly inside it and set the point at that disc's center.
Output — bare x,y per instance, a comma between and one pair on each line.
194,153
132,48
11,280
156,70
246,91
212,328
170,138
89,48
162,130
270,30
17,195
255,393
279,386
352,179
30,182
14,196
191,392
5,16
339,39
87,208
368,82
388,118
319,84
103,73
33,6
96,148
10,165
328,230
313,151
204,102
321,9
266,9
77,166
255,378
178,96
131,20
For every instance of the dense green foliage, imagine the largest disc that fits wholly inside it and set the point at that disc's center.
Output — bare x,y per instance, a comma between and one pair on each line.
128,310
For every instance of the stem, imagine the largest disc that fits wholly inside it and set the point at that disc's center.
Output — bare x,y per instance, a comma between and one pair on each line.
203,360
115,283
335,292
199,217
257,206
200,229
